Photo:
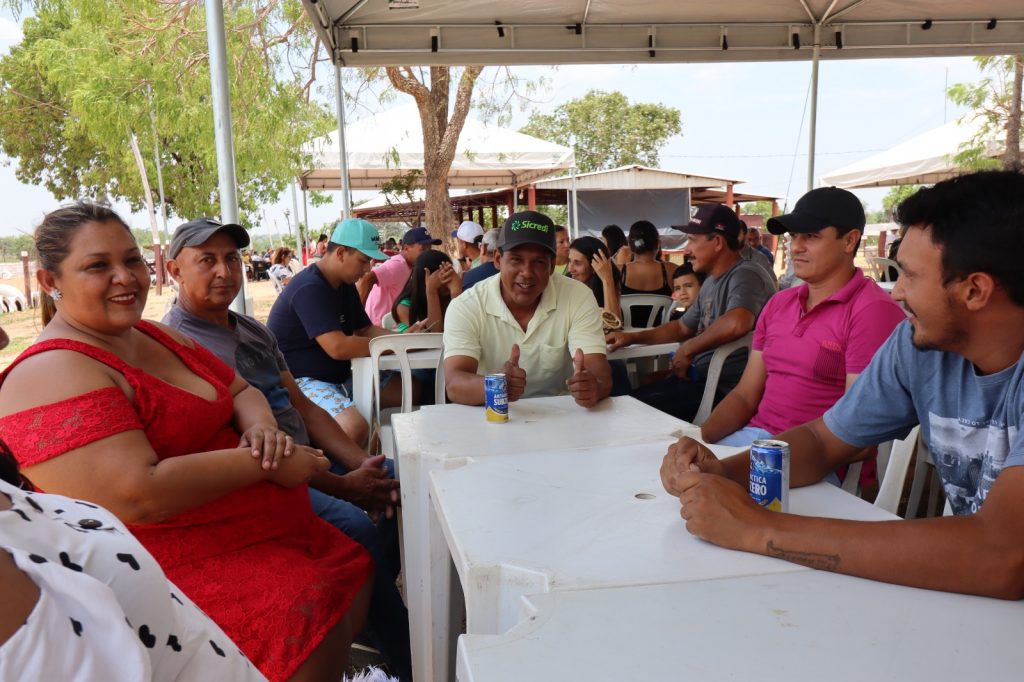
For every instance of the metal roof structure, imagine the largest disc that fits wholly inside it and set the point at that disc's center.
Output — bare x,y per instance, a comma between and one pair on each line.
450,32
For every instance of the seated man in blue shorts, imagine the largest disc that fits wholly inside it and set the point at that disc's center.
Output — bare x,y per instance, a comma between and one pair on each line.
956,367
320,323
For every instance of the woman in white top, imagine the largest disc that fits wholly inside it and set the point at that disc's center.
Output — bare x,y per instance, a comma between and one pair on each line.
85,601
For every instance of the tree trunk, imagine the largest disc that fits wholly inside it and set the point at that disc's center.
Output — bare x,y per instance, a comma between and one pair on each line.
440,135
1012,160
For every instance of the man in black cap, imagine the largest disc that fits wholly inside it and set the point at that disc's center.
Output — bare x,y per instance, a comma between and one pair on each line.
729,302
542,332
811,341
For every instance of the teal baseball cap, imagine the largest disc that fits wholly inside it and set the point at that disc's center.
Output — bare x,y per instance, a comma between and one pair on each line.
358,234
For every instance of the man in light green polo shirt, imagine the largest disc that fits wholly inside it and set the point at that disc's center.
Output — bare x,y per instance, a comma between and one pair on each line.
544,333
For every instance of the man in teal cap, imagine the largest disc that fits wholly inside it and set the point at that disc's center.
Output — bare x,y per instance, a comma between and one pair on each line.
320,323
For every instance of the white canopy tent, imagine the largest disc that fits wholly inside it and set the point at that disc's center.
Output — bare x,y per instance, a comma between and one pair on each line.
921,160
390,144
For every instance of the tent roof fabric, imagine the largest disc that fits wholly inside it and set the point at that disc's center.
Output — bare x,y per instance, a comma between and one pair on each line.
438,32
390,144
921,160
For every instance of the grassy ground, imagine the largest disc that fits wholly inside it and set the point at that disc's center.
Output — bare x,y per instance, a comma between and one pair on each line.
24,327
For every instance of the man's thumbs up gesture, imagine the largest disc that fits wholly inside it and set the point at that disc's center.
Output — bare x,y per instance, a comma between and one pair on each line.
582,384
515,376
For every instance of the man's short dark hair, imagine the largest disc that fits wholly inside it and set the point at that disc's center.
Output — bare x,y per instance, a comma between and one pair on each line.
561,228
976,220
732,242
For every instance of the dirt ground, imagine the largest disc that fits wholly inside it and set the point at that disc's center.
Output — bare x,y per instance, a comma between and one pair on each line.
24,327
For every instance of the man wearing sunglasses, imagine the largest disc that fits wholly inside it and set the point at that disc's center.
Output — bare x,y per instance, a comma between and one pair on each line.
726,309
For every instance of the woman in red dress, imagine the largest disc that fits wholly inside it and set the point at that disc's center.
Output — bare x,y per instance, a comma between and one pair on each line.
132,415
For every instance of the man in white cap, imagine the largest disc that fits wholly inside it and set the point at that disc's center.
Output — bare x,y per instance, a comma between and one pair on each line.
488,259
468,238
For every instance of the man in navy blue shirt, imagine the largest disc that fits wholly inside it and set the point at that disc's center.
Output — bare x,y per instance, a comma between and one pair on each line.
320,323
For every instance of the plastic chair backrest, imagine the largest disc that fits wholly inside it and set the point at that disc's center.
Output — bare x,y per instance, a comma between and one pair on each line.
881,266
657,303
718,359
401,345
388,322
893,463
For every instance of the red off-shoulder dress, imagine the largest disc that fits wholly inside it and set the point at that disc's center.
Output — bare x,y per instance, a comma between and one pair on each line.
260,563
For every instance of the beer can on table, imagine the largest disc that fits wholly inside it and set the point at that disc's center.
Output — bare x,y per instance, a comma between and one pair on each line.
496,398
769,474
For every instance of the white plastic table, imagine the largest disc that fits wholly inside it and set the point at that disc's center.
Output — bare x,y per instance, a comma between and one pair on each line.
447,436
362,373
804,626
585,520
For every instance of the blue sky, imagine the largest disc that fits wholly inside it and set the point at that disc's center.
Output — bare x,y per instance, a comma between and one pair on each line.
740,120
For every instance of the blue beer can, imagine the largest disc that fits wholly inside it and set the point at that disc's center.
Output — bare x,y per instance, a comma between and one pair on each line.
496,398
769,474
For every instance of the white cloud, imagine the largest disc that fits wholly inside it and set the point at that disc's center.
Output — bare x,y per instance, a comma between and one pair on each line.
10,34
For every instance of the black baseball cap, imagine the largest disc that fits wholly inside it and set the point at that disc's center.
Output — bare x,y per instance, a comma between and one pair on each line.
196,232
419,235
820,208
713,218
528,227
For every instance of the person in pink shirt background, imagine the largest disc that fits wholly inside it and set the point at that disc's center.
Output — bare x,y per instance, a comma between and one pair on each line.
810,341
381,286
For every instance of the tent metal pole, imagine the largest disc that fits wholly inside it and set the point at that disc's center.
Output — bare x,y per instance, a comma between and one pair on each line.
305,220
813,130
575,207
346,195
222,126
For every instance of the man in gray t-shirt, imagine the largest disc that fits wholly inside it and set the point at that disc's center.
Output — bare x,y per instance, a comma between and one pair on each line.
956,367
727,307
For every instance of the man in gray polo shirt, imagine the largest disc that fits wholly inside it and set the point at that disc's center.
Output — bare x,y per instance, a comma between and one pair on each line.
727,307
205,262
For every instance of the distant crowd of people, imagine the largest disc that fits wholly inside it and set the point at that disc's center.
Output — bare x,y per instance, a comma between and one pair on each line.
220,461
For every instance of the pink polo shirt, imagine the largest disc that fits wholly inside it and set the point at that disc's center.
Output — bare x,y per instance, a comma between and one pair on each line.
392,275
808,355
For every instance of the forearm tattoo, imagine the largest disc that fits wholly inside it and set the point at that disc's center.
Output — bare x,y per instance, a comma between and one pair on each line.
822,562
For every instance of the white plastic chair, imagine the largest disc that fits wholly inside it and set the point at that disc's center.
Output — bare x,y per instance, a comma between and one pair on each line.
658,304
715,373
388,322
401,345
924,469
881,266
893,462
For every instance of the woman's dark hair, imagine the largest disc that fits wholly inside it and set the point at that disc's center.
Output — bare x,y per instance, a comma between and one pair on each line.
589,246
9,469
615,238
415,288
53,237
976,221
687,269
282,256
643,237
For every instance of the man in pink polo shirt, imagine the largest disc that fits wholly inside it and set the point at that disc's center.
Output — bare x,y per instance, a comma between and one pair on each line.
811,341
381,286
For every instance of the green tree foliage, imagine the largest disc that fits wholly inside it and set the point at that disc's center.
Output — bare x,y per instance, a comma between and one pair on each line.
89,73
894,196
996,100
607,131
761,208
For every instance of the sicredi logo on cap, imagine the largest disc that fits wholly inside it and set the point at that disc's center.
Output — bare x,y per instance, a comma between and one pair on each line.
520,224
